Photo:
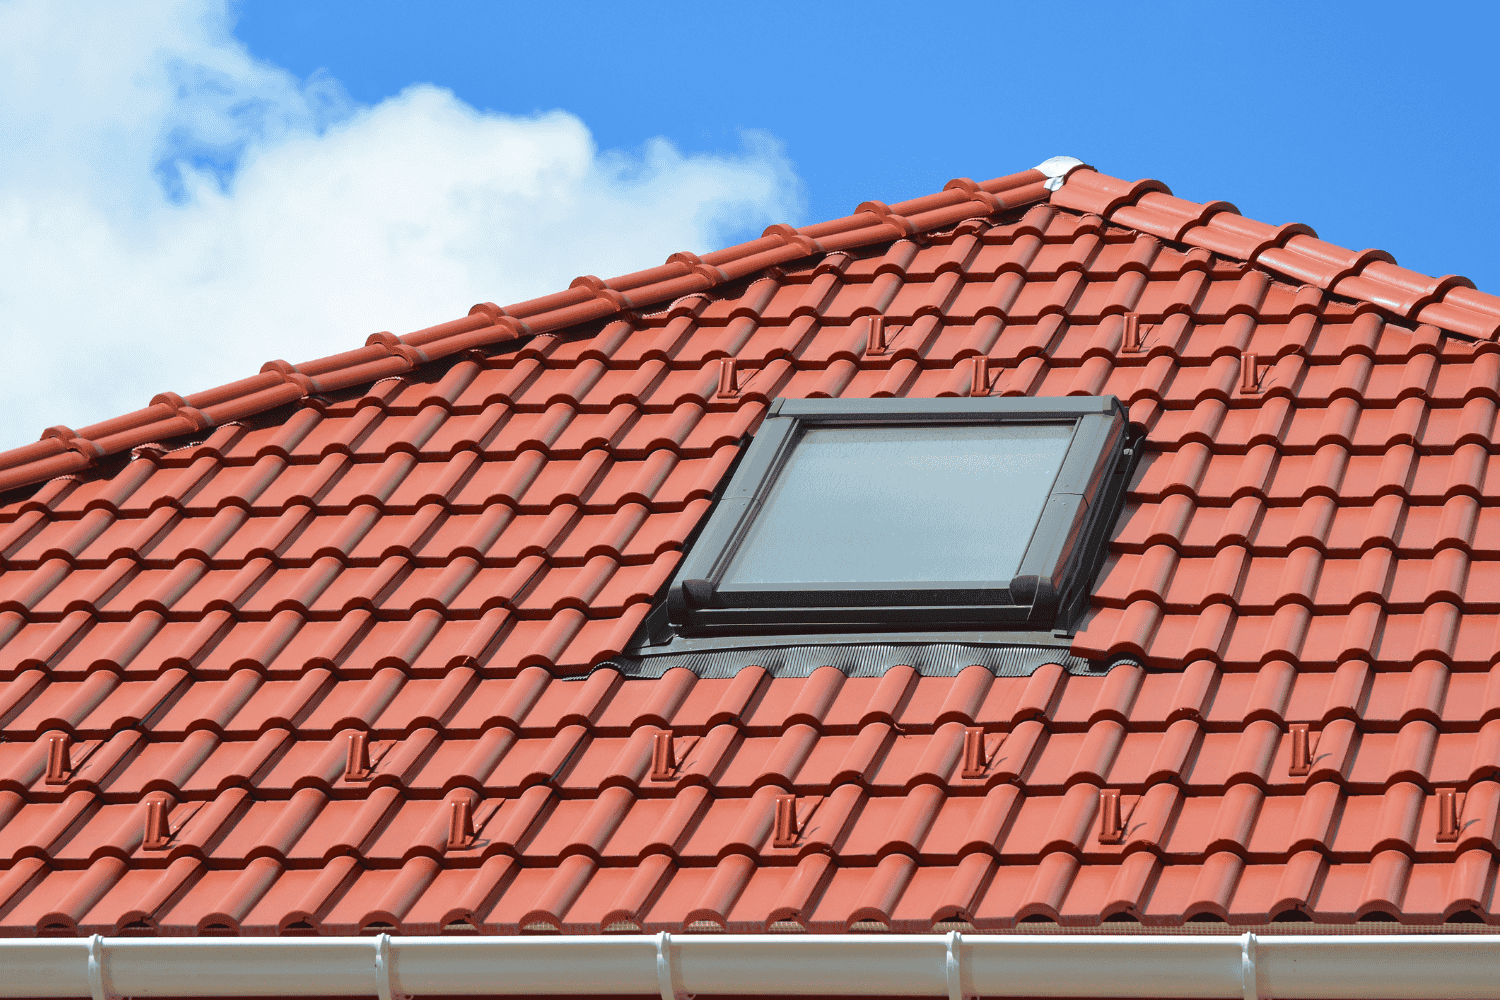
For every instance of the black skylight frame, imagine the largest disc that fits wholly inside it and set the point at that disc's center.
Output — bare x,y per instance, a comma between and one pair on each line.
1049,591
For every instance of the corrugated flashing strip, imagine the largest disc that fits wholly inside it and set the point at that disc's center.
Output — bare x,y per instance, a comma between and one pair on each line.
955,965
931,659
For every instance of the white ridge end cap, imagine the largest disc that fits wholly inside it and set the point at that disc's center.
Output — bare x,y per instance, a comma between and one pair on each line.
1057,169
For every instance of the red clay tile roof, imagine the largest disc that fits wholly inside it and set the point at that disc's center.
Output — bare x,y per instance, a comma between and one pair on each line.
419,549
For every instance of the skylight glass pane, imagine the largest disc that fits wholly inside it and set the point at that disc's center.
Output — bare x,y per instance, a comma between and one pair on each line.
903,504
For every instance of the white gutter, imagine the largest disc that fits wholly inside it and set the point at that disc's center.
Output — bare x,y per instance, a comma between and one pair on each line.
1240,967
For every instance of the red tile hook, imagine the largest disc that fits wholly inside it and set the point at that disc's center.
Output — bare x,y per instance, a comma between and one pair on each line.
980,383
1131,341
460,825
357,764
59,761
1301,764
663,759
1447,817
1111,829
729,385
1249,372
158,833
786,822
876,345
976,762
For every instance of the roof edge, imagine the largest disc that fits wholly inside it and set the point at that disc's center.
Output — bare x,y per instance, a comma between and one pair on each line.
1450,302
65,451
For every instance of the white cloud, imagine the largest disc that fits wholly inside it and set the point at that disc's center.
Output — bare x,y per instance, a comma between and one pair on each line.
174,212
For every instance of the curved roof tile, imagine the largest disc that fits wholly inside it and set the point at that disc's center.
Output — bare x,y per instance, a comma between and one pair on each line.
345,665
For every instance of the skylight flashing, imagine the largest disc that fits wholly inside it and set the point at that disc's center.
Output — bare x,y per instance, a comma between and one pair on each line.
927,654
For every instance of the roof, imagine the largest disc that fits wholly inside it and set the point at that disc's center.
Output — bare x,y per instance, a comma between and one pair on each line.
433,545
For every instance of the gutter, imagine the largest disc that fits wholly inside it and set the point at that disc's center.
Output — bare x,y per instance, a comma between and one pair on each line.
956,966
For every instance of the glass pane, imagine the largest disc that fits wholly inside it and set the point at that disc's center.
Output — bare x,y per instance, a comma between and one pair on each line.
928,503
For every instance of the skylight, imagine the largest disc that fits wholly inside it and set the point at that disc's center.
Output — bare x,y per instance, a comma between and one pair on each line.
843,488
909,515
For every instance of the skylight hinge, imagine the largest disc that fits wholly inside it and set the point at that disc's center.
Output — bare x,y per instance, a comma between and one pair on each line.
699,592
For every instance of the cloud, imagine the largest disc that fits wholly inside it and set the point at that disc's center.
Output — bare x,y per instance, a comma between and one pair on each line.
174,212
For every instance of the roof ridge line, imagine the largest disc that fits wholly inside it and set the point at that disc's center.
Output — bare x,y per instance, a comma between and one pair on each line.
64,451
1292,250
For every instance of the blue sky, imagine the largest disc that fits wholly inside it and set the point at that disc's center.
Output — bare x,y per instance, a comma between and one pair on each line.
1374,123
192,187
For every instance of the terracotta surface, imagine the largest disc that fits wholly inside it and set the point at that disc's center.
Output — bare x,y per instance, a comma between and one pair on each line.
312,653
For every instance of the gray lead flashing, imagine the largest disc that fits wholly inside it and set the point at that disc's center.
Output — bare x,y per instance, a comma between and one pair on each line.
862,660
1057,169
